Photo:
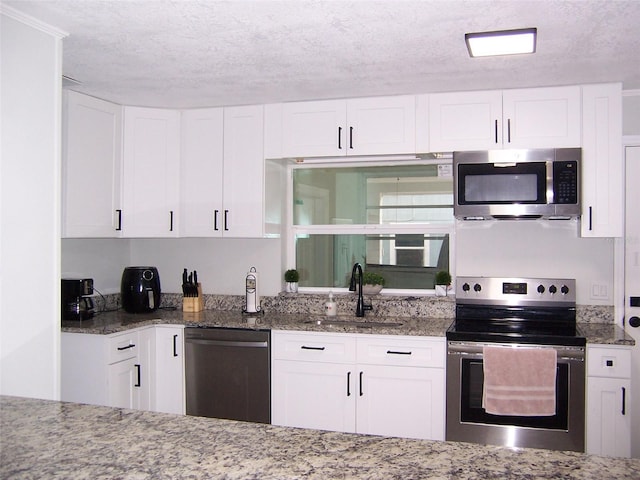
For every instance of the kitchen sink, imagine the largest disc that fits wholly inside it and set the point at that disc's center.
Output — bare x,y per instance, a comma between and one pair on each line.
353,323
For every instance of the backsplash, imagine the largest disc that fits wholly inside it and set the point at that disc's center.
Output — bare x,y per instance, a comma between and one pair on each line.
383,305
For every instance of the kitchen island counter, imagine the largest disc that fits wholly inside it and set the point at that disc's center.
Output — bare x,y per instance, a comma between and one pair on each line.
46,439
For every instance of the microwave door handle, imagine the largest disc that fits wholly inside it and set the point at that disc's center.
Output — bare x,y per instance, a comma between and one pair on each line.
504,164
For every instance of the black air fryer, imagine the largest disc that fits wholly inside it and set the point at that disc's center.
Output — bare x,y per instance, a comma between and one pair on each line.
140,289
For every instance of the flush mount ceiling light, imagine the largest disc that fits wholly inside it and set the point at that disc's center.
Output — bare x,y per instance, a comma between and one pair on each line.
504,42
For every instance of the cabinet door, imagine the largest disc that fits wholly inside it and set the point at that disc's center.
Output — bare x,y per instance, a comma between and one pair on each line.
146,374
243,189
314,129
201,173
91,167
381,125
151,172
401,401
541,117
602,165
608,417
124,383
313,395
83,368
465,121
169,369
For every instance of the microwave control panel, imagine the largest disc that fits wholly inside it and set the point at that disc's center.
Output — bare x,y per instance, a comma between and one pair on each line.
565,182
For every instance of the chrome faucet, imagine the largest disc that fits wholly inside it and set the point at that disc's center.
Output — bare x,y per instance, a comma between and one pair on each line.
360,306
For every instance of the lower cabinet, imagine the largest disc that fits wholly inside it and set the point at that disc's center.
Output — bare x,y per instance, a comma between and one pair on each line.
123,384
382,385
609,401
169,383
141,368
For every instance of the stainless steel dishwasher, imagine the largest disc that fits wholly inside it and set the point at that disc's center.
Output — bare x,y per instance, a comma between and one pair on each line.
228,373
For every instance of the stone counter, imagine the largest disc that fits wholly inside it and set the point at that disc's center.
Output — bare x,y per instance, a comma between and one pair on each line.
44,439
118,321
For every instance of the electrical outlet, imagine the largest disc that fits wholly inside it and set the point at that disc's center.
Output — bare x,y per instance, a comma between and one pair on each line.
599,292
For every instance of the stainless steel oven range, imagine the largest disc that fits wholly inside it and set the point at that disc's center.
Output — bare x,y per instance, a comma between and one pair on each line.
520,313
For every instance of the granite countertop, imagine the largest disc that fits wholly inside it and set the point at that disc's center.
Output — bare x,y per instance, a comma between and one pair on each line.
46,439
119,321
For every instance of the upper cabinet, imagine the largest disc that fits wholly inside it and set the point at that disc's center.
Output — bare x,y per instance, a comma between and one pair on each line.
243,171
602,163
201,208
520,118
91,167
151,172
366,126
222,172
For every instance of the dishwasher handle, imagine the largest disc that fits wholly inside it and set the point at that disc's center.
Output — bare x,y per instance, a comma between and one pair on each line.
228,343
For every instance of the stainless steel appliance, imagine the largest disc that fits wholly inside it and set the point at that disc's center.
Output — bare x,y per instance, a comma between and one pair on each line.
140,289
76,300
519,313
517,184
228,373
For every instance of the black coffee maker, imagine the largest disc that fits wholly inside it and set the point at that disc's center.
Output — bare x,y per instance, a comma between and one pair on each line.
76,301
140,289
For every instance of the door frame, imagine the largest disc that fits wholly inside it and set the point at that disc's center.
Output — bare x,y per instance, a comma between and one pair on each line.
619,246
619,280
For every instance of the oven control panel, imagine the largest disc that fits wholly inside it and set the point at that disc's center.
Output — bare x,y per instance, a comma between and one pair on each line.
516,291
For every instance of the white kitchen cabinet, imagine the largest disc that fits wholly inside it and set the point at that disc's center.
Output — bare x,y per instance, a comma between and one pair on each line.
102,369
122,378
401,386
169,394
201,179
222,172
384,385
142,368
312,380
602,163
608,400
151,172
519,118
313,394
465,121
91,167
243,172
365,126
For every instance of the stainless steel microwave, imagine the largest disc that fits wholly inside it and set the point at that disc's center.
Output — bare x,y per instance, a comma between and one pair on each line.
517,184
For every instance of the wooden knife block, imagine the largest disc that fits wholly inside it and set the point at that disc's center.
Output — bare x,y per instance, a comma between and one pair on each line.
193,304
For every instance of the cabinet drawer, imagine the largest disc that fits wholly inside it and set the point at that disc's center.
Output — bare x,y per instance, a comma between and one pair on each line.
122,346
313,347
402,351
609,362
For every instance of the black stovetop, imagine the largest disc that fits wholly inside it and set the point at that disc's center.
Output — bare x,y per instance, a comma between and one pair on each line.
513,331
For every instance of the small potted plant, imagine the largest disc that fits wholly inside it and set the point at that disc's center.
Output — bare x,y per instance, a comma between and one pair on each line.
372,283
291,278
442,283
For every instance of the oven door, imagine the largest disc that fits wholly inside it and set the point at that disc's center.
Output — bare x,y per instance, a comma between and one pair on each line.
468,421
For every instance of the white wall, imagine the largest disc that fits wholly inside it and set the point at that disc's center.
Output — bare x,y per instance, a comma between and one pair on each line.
631,112
98,258
222,264
31,59
537,249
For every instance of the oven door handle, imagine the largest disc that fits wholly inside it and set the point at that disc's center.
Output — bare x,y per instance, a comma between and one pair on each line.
474,349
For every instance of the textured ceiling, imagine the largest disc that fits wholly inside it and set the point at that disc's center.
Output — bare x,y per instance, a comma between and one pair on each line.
187,53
